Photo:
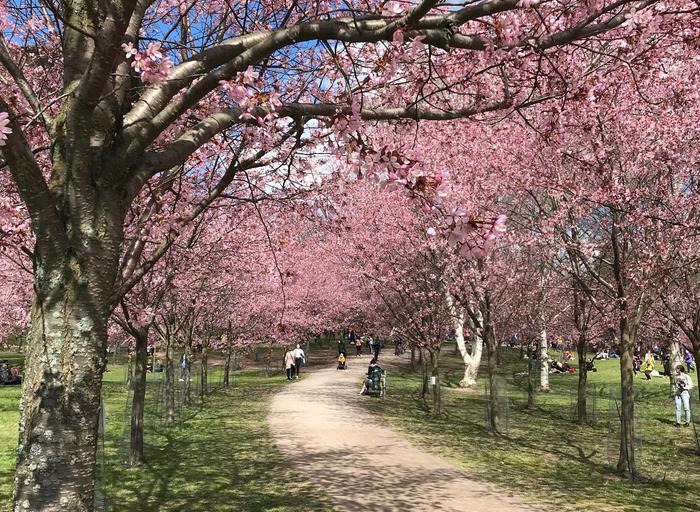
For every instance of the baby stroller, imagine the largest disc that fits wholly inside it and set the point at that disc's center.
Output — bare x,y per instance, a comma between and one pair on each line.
341,361
375,384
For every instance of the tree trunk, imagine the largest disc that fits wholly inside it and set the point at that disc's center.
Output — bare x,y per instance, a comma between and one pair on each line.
581,401
626,462
492,365
530,380
675,358
473,360
543,357
205,369
136,455
75,266
169,379
227,366
413,359
186,375
695,340
435,381
129,372
424,374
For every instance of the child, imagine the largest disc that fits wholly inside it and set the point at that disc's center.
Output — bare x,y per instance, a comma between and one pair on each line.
341,361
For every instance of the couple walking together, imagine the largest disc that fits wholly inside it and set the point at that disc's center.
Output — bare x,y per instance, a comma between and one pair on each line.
293,360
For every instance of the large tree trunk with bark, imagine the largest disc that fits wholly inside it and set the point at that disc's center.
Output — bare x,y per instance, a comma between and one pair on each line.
75,266
626,462
136,454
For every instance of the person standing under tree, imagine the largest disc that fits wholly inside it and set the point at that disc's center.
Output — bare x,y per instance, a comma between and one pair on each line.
299,358
289,363
683,387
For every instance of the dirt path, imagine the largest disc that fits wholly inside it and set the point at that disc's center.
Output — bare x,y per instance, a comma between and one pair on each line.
361,464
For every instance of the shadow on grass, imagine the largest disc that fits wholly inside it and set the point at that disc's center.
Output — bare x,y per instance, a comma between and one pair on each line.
547,457
222,458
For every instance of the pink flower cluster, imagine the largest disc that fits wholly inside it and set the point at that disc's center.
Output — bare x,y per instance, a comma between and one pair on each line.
475,237
247,94
5,129
153,64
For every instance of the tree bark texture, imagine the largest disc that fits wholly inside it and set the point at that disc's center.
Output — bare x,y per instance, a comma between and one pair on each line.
138,404
581,400
75,266
626,462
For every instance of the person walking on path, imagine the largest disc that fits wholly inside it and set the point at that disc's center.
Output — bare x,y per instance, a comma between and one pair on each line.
289,364
358,346
341,348
683,387
375,347
648,364
299,358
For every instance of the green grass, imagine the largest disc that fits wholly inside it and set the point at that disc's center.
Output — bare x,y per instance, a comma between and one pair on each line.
545,456
220,457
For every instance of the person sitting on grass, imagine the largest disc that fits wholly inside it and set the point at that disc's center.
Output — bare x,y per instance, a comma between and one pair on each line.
10,376
683,386
557,367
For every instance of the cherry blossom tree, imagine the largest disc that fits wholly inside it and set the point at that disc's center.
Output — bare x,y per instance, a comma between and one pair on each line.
110,103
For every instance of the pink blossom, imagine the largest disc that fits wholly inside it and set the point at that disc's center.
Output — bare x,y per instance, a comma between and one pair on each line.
5,129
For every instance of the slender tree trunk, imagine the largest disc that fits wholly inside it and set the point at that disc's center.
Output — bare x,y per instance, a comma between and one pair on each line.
129,372
169,375
424,374
186,374
205,369
530,380
227,365
581,401
675,358
473,360
435,381
626,462
492,365
136,454
542,357
695,340
413,359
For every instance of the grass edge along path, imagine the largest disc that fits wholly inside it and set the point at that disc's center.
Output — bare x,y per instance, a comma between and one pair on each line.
545,457
221,458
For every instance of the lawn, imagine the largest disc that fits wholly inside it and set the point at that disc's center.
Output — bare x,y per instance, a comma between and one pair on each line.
545,456
220,457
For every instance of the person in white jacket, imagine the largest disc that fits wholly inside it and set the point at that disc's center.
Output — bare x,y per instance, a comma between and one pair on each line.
683,387
299,359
